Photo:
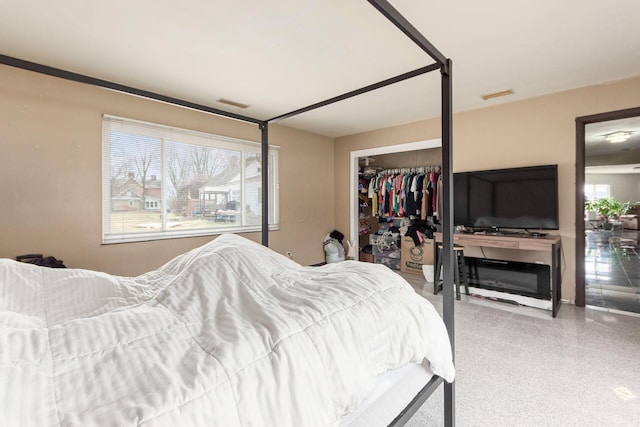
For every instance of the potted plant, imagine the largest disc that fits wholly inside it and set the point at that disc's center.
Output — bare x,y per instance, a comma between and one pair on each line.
607,208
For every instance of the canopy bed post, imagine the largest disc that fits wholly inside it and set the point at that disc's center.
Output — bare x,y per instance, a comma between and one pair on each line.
447,231
410,31
264,131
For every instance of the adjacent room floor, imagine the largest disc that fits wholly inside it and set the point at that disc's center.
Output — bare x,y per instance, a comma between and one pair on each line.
518,366
612,272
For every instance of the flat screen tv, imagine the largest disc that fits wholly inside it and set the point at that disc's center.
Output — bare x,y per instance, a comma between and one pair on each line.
516,198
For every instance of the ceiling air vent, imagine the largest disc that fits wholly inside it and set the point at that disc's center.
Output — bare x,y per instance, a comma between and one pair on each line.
233,103
497,94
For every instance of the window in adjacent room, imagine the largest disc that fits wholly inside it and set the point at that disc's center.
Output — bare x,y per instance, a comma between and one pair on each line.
596,191
162,182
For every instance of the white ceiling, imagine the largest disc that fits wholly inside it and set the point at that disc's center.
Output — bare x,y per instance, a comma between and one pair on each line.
280,55
618,158
595,136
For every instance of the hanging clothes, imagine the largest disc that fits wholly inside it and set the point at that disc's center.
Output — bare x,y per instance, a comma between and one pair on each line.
373,195
403,193
426,198
433,178
439,199
419,195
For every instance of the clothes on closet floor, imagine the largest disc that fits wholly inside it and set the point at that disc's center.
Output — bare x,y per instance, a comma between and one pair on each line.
405,195
419,230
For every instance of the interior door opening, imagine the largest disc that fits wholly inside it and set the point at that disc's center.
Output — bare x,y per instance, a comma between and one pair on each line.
608,211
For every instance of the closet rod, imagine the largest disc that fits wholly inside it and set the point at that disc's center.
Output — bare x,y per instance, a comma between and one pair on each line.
414,169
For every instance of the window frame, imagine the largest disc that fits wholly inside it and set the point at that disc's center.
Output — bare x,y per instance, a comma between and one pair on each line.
196,138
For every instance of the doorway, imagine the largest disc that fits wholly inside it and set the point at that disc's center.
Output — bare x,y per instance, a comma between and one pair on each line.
607,261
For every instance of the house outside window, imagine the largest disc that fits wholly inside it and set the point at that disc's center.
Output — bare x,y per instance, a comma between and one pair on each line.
162,182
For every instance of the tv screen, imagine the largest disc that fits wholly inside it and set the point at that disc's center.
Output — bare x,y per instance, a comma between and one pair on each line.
523,198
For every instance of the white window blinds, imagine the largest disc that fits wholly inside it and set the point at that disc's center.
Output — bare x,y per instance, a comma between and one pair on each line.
165,182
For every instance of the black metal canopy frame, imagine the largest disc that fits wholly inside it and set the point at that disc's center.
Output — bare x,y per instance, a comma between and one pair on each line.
441,63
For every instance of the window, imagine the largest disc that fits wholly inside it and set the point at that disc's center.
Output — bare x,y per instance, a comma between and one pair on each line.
596,191
161,182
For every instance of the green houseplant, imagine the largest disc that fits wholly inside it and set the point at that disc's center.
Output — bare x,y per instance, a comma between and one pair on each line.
607,207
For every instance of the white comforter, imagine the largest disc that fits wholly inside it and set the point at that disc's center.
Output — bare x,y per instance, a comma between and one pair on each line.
228,334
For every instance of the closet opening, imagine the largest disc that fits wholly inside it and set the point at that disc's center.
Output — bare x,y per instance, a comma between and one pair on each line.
373,222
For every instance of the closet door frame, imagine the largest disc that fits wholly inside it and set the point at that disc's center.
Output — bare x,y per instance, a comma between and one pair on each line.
353,174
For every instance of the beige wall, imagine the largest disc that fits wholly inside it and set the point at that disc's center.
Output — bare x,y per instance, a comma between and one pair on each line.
50,166
624,187
531,132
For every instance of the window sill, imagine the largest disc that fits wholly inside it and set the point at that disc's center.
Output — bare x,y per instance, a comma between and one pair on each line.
147,237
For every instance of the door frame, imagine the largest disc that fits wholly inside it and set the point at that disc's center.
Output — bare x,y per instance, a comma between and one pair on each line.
581,123
353,174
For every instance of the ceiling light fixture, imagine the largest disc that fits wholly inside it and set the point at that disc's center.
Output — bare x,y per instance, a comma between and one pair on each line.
497,94
617,137
233,103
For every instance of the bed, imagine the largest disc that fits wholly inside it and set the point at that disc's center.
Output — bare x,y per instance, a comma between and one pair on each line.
430,381
228,334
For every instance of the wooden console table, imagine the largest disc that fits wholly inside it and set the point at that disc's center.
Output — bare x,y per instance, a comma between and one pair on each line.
549,243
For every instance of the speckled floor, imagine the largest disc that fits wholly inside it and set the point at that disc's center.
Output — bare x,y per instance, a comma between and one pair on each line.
518,366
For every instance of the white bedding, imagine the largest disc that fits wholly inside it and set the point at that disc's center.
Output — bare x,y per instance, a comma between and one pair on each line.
228,334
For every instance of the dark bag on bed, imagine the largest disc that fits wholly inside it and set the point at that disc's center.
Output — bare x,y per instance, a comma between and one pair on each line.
40,260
